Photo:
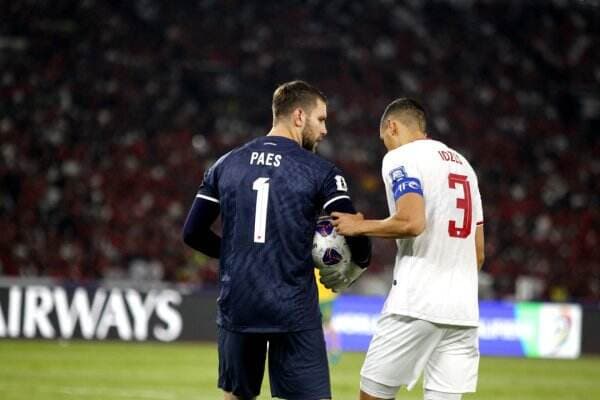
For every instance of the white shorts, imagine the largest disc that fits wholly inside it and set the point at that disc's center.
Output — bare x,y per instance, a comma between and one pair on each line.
403,347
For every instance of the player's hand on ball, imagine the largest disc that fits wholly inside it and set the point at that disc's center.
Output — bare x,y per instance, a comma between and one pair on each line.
340,277
346,224
331,277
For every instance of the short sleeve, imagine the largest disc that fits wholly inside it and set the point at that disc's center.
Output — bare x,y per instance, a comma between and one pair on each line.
402,177
209,188
334,187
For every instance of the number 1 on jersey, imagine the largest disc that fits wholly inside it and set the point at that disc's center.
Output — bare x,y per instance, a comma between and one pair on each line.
261,185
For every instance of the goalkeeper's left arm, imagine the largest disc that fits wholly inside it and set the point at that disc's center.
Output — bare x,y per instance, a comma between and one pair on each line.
340,277
360,246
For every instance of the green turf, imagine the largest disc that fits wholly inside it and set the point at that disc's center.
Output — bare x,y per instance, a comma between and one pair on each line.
104,371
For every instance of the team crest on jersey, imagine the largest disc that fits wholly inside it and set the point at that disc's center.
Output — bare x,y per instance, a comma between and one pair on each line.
398,174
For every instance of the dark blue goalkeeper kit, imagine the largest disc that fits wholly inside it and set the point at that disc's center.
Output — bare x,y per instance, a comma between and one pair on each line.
269,193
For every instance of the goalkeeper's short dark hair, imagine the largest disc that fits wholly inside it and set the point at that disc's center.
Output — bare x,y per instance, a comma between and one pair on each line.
294,94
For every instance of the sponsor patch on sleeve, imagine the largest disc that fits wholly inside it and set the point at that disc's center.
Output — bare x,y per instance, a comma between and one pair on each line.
402,183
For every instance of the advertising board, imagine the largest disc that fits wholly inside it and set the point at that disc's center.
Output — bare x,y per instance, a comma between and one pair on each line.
506,329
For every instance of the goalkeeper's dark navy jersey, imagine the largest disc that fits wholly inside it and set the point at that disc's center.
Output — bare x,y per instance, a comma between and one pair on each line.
270,192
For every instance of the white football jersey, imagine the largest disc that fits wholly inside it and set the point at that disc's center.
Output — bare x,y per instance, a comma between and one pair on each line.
435,273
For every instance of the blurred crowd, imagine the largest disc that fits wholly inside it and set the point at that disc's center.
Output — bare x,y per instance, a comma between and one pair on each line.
111,111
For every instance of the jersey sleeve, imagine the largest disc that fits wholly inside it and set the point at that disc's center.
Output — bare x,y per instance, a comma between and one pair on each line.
209,189
337,198
334,187
402,176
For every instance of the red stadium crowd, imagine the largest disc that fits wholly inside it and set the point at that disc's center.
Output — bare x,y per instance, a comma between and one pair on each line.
110,113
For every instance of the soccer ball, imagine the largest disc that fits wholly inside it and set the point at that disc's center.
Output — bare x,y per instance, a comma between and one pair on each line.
329,248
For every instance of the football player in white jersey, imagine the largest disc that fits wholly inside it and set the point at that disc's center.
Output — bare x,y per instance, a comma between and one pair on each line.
430,317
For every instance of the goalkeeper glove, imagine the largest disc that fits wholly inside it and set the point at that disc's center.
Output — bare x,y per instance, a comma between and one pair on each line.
340,277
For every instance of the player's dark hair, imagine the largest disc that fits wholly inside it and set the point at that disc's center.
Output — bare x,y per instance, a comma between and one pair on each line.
408,109
294,94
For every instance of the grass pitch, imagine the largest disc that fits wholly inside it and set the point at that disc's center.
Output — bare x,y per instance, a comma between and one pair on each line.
49,370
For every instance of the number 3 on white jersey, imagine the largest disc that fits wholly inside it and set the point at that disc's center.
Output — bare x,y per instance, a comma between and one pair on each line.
462,203
261,185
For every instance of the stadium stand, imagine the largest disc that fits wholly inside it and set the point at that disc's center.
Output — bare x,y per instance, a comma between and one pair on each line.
110,112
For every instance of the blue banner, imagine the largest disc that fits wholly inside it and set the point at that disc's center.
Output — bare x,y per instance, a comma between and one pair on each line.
505,328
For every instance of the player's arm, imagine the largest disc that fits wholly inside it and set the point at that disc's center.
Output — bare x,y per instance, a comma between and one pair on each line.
480,245
341,277
360,246
197,231
408,221
478,216
337,199
404,183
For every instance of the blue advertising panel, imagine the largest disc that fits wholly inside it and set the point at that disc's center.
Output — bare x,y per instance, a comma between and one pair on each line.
354,318
499,332
505,328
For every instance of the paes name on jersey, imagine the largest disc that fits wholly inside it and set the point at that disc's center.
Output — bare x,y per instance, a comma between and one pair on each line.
262,158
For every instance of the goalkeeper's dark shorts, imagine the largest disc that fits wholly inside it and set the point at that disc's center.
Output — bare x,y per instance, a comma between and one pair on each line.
298,368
